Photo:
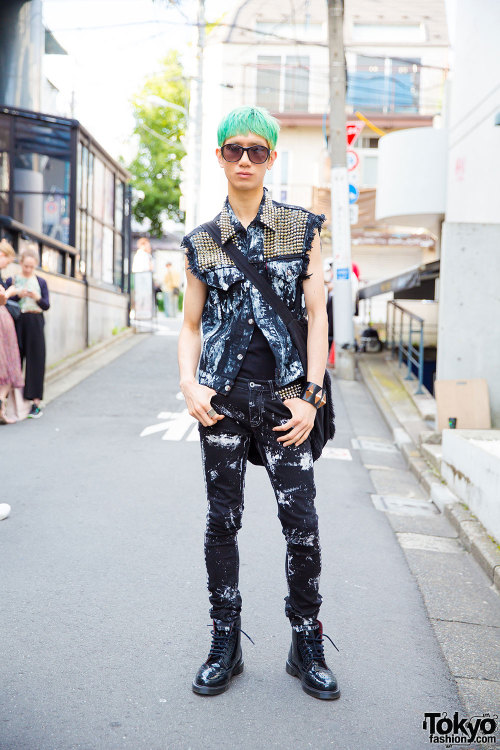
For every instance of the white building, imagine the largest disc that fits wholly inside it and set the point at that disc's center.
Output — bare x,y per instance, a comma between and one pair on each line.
455,169
266,55
469,319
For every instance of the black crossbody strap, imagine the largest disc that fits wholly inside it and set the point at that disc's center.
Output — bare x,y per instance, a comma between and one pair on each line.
252,274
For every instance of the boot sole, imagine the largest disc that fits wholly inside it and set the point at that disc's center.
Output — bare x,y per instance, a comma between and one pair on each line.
325,695
207,690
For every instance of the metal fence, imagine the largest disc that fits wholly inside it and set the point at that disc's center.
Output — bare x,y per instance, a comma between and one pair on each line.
402,327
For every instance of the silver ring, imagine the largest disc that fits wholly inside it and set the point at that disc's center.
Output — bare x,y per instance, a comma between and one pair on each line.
212,413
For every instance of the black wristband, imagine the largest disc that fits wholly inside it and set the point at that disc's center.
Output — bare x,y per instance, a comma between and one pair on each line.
314,395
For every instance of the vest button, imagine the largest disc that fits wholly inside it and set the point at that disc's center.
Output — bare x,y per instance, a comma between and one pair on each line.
240,356
227,387
250,321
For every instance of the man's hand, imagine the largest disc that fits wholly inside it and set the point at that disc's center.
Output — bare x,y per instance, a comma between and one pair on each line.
302,421
198,402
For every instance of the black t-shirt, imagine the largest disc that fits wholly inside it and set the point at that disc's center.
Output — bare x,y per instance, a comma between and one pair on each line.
259,361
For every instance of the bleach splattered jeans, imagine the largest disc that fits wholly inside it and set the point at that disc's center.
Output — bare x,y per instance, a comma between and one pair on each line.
253,408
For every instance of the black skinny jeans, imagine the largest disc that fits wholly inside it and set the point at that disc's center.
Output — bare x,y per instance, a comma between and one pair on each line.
253,408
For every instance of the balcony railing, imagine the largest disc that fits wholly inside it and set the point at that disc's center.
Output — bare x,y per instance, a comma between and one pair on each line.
55,256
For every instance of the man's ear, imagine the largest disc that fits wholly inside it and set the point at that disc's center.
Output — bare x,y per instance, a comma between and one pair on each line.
218,154
272,158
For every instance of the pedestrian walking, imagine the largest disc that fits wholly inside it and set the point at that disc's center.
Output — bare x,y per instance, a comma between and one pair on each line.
11,376
170,289
252,397
32,294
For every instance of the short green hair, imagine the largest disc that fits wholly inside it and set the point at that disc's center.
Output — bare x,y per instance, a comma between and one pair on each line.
244,120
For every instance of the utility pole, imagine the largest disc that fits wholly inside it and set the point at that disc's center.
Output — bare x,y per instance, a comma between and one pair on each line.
341,227
198,123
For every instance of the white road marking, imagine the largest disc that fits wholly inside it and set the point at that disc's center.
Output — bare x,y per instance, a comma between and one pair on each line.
154,428
367,444
340,454
194,435
410,540
178,426
404,506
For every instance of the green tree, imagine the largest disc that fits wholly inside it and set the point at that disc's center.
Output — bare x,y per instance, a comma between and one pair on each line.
160,126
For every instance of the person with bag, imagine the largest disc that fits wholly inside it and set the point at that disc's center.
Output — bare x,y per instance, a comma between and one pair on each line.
11,376
255,286
32,293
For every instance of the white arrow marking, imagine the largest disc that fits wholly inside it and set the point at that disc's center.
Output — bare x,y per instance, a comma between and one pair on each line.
194,434
178,427
154,428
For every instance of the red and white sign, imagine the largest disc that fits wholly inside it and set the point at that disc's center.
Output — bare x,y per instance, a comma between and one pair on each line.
352,160
353,128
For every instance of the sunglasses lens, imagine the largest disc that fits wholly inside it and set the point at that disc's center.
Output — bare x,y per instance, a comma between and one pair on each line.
232,152
258,154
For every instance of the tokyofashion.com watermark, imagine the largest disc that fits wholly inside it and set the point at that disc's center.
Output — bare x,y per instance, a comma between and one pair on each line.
452,730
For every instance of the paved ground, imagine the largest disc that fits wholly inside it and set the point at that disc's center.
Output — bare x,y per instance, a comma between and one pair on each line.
104,608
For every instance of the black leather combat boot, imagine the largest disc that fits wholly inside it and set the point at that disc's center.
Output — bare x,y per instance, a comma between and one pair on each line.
224,660
306,660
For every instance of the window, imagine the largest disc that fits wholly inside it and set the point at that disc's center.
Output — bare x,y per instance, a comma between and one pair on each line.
283,83
384,84
268,82
296,84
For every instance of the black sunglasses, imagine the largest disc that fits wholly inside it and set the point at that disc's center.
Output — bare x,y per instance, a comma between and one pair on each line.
256,154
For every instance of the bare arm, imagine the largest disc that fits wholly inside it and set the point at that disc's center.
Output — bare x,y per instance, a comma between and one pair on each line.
317,337
189,348
303,413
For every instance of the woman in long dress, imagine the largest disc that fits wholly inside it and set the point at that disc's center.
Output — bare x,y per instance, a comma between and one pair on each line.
11,377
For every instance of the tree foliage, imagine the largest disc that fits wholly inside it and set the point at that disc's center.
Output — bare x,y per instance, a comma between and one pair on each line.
156,168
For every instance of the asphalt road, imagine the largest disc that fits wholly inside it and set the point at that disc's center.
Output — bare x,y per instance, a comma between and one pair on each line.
104,605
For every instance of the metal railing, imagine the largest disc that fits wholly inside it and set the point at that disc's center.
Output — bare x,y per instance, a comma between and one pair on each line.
55,256
402,339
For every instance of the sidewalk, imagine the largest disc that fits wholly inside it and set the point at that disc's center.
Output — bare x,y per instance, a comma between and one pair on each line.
473,659
104,588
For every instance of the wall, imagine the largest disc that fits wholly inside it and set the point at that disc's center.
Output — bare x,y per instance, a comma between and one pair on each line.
470,266
470,306
474,141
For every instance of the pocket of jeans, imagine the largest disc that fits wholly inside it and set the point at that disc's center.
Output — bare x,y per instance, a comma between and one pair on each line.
279,412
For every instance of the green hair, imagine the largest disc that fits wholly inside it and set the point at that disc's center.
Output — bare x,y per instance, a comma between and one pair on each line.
244,120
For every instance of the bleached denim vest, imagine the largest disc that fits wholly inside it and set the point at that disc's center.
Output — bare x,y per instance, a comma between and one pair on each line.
277,242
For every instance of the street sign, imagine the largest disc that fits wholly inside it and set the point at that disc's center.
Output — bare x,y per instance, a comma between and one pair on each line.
352,160
353,193
354,211
353,128
342,273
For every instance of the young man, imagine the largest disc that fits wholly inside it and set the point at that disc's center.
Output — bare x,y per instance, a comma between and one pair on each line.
251,393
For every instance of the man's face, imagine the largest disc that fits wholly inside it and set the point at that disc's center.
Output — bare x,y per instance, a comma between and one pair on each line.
244,174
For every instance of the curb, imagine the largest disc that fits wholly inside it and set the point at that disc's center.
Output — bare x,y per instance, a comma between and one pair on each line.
75,359
471,532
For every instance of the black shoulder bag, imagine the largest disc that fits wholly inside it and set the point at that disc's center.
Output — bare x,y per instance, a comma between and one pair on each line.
324,425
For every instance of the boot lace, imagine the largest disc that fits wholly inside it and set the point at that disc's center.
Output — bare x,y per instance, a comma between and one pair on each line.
220,640
312,647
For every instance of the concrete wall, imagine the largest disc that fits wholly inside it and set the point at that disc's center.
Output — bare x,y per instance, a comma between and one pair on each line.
469,312
471,467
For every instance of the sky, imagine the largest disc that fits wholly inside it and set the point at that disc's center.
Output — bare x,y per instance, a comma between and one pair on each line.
113,45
